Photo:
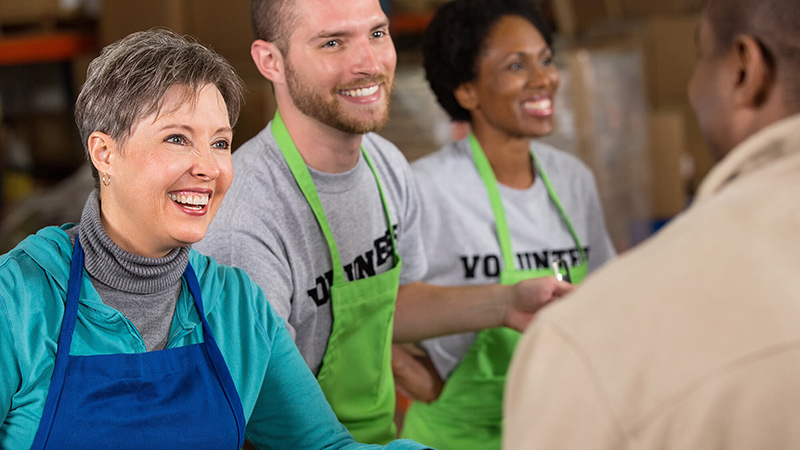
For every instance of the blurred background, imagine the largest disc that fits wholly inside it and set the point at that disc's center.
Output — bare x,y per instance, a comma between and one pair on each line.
621,107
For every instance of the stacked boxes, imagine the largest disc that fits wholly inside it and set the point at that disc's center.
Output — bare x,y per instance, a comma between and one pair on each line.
666,31
600,110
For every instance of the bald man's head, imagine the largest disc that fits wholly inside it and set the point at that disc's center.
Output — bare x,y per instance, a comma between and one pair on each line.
775,24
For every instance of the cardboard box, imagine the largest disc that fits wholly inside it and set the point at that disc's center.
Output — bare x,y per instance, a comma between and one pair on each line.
415,6
53,143
119,18
223,26
601,117
576,16
668,147
247,70
701,158
14,11
257,111
79,65
670,55
644,8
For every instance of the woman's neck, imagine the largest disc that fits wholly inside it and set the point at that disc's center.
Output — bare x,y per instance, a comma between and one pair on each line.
509,156
120,269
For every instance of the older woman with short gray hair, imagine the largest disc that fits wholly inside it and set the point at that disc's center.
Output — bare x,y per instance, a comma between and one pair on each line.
114,333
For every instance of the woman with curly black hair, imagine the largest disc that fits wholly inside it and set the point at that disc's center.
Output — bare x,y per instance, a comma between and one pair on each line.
498,206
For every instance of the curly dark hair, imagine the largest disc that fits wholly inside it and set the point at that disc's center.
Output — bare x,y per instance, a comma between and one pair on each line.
455,38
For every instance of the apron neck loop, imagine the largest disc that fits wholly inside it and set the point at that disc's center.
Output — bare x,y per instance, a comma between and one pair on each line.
306,184
501,224
557,202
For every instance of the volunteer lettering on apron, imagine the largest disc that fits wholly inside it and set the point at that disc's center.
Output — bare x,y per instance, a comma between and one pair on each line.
489,265
363,266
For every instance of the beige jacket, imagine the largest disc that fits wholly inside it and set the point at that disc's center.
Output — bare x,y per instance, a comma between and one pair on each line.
689,341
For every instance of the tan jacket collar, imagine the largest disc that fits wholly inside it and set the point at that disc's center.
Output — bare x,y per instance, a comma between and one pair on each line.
767,145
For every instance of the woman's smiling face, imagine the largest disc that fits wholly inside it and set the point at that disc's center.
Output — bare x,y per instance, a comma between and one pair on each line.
169,177
516,80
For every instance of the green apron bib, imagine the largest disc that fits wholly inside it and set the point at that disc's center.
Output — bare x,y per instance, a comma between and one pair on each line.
468,413
356,371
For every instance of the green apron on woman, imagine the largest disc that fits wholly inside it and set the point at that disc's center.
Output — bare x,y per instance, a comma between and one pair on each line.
468,415
356,371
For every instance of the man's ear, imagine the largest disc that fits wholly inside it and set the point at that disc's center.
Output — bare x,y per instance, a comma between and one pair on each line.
103,150
756,75
269,60
467,96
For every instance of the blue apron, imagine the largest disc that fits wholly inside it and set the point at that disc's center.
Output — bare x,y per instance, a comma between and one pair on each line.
174,398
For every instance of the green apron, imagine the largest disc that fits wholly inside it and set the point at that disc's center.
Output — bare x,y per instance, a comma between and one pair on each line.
468,413
356,371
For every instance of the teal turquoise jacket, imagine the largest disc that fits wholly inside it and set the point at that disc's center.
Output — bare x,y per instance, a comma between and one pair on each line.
283,404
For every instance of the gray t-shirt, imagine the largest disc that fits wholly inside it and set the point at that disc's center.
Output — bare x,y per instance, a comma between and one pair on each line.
459,227
266,227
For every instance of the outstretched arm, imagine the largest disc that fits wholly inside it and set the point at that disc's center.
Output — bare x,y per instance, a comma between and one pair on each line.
291,410
424,311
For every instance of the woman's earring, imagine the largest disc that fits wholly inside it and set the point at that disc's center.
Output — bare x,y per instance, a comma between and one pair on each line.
106,179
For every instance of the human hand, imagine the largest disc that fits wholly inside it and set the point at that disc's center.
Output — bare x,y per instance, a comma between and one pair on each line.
528,296
414,374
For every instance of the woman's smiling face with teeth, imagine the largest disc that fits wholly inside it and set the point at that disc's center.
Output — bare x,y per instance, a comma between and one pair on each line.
516,80
171,174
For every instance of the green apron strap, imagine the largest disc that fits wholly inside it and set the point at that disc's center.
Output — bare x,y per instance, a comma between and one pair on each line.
306,184
385,204
355,373
557,202
490,181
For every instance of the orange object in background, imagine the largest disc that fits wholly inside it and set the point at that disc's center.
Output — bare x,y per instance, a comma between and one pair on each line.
47,47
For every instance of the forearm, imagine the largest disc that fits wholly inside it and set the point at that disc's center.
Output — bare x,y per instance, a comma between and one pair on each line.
9,365
424,311
291,411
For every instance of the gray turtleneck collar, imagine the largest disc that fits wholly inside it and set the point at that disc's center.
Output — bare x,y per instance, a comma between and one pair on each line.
111,265
144,290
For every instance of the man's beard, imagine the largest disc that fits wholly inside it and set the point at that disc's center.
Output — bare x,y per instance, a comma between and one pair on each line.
327,110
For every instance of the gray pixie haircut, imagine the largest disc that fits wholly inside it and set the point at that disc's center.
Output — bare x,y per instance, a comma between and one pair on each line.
130,78
273,21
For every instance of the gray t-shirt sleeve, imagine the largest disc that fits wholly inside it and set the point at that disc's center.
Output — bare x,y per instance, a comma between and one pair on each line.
236,245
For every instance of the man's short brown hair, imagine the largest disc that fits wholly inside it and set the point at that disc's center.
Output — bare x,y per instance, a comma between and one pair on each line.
273,20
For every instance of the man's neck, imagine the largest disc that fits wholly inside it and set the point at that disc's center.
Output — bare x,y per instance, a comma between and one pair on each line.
322,147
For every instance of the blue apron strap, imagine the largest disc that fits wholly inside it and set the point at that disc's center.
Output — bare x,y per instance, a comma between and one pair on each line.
64,343
217,361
